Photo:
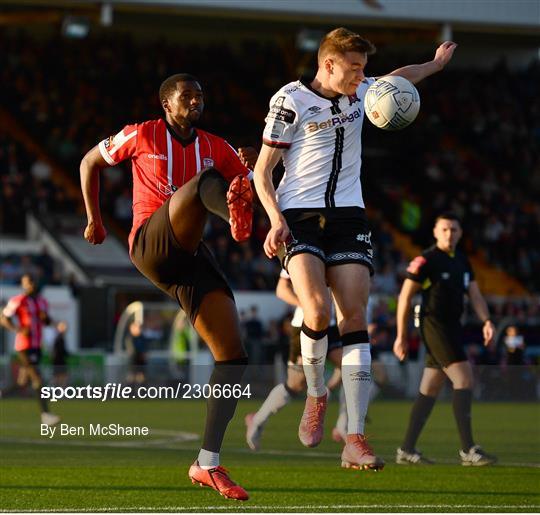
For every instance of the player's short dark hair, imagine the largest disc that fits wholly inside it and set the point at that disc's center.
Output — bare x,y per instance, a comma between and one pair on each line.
448,215
168,86
343,40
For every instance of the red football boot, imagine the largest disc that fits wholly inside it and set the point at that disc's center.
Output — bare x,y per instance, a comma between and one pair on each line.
357,454
310,431
218,479
240,202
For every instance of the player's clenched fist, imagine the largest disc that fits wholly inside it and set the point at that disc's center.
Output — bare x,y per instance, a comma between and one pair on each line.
95,233
276,237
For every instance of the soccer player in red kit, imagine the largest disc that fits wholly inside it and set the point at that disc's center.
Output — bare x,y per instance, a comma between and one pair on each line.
31,311
181,173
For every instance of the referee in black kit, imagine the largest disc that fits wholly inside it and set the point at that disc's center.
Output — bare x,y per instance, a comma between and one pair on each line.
444,275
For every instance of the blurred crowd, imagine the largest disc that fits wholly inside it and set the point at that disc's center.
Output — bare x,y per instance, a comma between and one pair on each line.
474,148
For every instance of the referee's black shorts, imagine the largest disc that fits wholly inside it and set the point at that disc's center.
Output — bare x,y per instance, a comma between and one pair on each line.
444,343
185,277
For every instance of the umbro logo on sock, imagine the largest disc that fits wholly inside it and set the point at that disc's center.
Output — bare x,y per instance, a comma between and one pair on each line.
314,361
360,376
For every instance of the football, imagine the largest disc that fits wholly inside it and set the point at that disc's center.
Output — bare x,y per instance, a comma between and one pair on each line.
392,103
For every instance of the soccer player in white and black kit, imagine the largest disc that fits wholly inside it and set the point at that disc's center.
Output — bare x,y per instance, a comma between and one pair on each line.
318,213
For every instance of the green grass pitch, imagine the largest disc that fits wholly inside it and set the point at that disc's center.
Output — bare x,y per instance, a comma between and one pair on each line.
89,473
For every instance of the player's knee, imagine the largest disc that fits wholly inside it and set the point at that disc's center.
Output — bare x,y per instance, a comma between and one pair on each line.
352,321
430,390
296,385
462,383
317,318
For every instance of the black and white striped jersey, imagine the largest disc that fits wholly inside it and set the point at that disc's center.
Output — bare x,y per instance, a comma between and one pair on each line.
321,138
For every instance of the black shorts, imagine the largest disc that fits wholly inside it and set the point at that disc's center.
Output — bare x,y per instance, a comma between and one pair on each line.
444,343
29,357
295,351
336,235
185,277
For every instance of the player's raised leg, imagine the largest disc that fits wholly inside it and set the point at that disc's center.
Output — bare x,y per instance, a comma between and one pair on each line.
350,288
308,277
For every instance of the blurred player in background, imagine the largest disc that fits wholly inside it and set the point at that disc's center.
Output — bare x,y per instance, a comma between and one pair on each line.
31,311
180,173
60,355
295,383
318,214
443,275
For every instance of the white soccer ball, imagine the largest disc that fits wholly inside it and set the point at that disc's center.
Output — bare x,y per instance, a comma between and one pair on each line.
392,103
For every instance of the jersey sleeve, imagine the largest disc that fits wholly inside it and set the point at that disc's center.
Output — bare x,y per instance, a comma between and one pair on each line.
11,307
120,147
417,270
281,121
232,166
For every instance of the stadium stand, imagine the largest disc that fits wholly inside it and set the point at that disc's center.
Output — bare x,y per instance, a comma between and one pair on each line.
478,138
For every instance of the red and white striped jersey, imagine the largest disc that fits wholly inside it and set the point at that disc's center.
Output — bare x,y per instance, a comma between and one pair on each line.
29,311
161,163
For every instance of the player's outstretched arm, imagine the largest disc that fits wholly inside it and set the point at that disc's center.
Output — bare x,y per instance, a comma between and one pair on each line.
408,291
417,72
279,232
91,166
481,309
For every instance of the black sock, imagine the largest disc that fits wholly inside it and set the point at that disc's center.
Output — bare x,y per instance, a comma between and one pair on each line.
212,189
44,405
220,410
461,402
419,414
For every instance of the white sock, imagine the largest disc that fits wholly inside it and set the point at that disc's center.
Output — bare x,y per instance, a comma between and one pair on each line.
356,377
207,459
341,422
313,359
276,399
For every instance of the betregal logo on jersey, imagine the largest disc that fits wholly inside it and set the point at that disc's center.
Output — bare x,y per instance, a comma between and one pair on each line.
333,122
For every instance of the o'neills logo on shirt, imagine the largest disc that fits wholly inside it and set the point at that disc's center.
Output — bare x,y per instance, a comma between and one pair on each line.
157,156
332,122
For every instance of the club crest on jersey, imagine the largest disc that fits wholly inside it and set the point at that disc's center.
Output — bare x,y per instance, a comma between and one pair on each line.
353,99
416,264
166,189
207,162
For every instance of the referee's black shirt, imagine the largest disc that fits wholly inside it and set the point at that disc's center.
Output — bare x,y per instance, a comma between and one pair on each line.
445,278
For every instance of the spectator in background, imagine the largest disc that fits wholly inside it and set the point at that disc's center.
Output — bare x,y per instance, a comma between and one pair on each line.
254,331
60,355
136,345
